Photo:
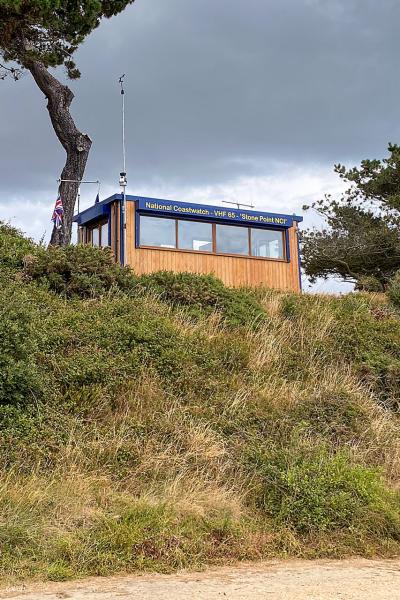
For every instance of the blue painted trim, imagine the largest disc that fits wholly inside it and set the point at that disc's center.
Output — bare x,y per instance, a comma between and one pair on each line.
299,259
94,212
205,212
137,230
99,209
287,244
174,217
121,237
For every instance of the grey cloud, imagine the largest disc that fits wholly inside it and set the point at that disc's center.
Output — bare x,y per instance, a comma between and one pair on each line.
217,90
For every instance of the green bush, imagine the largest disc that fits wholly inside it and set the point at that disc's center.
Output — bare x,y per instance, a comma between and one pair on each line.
78,271
13,247
87,272
205,294
369,283
20,378
313,490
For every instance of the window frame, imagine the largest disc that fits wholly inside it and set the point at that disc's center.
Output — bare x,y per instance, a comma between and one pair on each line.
248,255
283,231
177,221
161,247
285,242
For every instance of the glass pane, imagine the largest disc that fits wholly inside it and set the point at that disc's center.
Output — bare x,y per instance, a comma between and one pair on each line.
157,232
232,240
266,243
195,236
95,237
104,235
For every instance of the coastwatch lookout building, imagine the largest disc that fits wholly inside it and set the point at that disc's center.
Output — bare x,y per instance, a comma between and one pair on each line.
241,247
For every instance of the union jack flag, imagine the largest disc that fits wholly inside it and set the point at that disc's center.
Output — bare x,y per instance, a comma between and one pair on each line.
58,213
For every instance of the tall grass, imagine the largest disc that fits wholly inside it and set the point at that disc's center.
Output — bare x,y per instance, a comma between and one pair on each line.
148,425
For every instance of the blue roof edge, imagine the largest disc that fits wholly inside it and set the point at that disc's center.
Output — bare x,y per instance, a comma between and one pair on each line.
101,208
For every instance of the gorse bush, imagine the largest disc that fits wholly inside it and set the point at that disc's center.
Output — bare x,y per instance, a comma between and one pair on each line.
205,293
166,421
13,247
86,272
78,271
21,381
313,490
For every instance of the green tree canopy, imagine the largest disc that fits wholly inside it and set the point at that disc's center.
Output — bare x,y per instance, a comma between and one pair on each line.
361,240
36,35
50,31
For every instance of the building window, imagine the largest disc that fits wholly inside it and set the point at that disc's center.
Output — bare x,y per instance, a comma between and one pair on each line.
267,243
232,240
194,235
104,235
97,235
198,236
158,232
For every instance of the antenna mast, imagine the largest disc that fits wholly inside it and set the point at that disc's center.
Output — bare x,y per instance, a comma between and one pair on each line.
238,204
123,182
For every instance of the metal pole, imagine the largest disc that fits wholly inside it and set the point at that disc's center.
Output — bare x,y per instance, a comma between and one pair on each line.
122,176
78,181
238,204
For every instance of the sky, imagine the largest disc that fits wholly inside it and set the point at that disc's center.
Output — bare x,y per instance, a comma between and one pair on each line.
250,102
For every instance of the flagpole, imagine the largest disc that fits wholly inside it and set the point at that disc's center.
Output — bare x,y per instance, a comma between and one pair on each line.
123,182
78,198
79,182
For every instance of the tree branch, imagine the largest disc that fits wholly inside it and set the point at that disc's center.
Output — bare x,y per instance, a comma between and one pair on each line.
12,71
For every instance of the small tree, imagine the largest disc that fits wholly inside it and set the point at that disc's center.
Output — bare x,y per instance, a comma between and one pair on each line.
35,35
361,242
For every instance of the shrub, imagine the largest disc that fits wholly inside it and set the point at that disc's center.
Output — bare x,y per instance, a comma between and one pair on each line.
337,415
313,490
369,283
205,294
20,378
78,271
13,247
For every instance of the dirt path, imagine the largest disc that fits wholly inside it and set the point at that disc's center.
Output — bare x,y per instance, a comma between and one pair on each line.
294,580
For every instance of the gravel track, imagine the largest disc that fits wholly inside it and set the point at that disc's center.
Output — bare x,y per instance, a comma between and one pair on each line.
280,580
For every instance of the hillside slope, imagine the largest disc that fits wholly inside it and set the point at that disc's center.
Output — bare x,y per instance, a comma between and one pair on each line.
166,421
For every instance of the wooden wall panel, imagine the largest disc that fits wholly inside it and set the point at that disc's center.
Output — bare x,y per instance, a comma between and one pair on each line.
130,228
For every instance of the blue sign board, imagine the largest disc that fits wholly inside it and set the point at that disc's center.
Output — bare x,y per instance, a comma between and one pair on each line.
219,213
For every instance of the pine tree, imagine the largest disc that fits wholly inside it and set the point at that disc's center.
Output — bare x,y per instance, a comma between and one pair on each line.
361,242
36,35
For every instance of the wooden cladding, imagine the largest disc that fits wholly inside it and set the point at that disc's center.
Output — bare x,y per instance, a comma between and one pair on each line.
233,270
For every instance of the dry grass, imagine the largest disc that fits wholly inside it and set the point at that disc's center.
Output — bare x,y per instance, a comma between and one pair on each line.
154,476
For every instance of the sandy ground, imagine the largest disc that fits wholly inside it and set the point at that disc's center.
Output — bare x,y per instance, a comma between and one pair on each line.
292,580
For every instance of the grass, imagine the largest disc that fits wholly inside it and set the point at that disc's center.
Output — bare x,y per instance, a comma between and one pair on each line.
147,425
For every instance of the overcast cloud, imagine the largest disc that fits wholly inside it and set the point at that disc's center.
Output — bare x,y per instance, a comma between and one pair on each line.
225,100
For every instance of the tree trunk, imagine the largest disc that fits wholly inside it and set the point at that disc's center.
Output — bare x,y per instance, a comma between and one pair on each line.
76,144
